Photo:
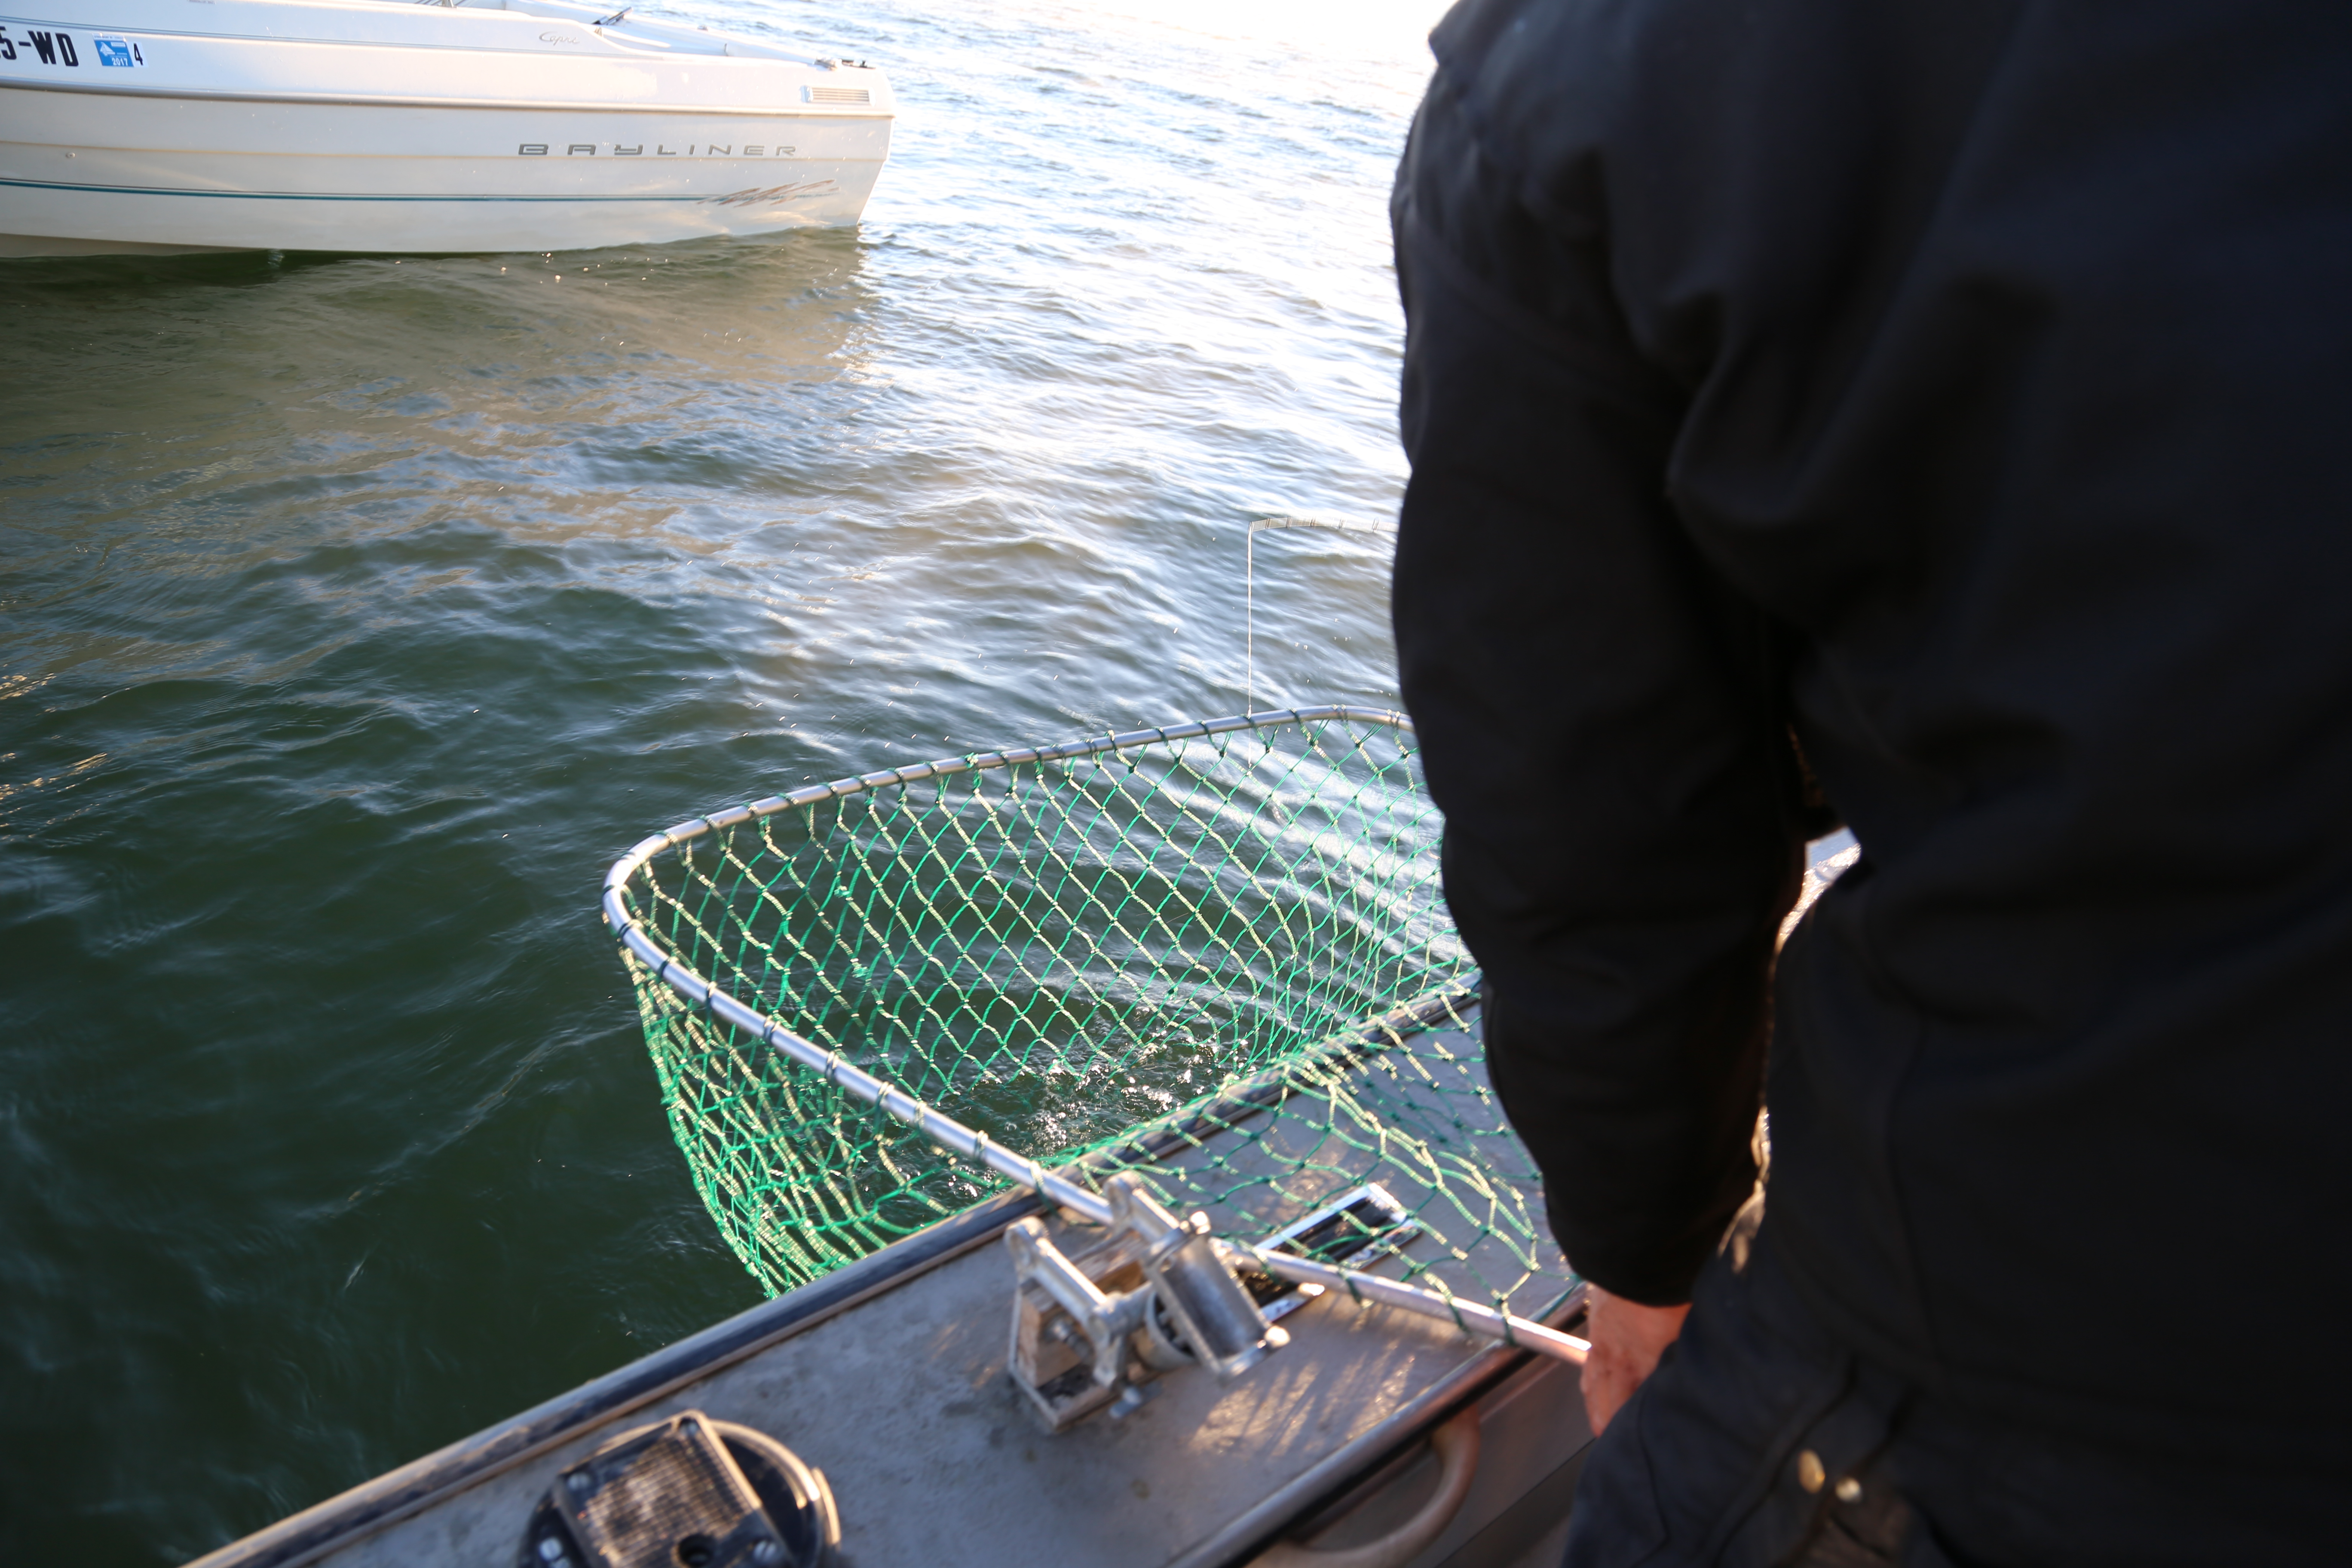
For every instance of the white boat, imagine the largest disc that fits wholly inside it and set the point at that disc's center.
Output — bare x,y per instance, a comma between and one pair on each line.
379,125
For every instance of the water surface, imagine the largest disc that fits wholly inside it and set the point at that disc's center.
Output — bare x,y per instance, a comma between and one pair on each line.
354,612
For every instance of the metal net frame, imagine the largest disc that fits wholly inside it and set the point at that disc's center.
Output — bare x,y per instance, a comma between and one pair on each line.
1215,955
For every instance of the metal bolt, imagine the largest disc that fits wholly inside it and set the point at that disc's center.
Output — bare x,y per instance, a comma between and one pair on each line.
1810,1473
551,1548
767,1551
1849,1490
579,1483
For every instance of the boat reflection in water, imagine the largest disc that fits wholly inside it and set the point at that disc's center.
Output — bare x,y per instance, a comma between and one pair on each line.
378,125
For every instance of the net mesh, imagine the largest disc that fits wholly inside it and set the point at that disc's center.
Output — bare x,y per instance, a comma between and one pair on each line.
1219,960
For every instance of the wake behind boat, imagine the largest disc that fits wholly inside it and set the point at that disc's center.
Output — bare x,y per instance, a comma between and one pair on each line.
379,125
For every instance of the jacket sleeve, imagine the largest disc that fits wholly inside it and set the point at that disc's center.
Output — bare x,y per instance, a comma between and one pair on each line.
1600,716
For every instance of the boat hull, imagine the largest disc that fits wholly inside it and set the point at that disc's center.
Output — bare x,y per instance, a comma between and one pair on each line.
304,144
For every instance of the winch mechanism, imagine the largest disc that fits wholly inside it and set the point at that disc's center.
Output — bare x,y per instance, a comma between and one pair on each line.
1090,1330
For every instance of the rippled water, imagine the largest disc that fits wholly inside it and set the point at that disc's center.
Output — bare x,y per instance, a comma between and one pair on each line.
355,613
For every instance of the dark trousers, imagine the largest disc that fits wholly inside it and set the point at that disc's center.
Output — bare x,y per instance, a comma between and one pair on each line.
1761,1442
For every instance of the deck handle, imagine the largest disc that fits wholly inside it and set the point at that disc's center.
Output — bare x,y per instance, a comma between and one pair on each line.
1456,1447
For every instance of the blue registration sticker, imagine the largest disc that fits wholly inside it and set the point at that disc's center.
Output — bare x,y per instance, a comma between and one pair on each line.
119,52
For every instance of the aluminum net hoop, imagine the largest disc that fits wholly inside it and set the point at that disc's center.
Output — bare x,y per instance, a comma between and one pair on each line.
1214,953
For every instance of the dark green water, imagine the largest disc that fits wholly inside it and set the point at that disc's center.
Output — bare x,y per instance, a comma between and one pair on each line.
355,614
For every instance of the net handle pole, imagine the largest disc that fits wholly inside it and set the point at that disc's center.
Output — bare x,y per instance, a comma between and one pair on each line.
1468,1316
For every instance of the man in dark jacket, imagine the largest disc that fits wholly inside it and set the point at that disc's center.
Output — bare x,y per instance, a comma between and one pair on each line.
1951,402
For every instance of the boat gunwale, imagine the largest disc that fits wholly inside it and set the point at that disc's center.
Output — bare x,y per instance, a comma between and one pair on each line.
375,1505
1331,1478
398,1494
378,1504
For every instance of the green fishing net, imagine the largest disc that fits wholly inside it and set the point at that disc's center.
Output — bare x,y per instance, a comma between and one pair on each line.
1214,955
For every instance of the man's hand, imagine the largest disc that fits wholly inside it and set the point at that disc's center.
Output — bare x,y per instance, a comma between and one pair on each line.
1627,1340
